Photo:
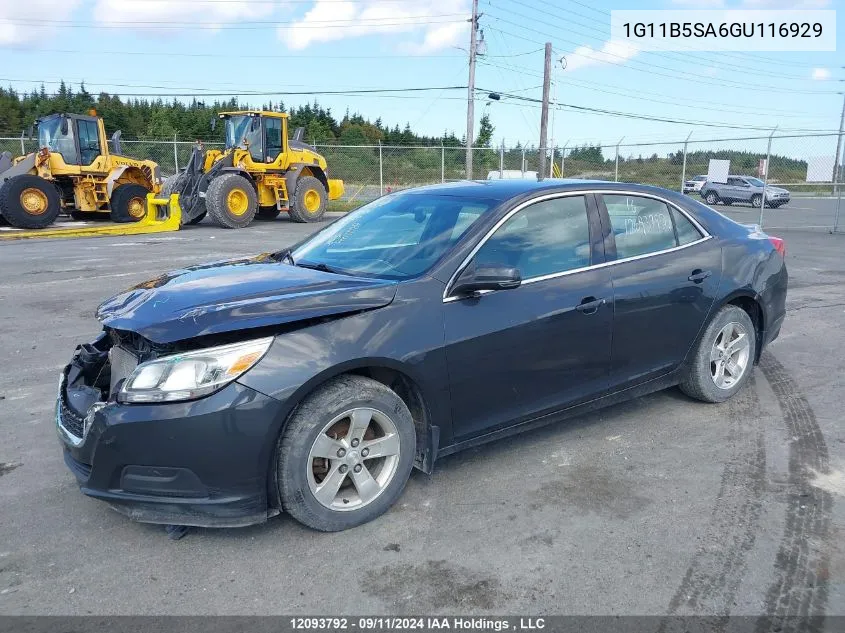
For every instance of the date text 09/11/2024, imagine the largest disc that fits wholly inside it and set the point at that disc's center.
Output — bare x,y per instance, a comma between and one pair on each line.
389,623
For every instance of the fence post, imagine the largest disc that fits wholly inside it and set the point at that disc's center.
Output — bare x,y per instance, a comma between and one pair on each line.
563,160
616,174
502,160
766,176
523,162
838,206
684,168
23,147
175,154
380,171
552,164
442,164
837,180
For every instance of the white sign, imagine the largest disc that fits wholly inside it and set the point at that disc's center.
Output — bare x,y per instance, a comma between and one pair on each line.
718,170
820,168
711,30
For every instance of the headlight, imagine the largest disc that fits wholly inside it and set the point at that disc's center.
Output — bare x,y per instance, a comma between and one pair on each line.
191,374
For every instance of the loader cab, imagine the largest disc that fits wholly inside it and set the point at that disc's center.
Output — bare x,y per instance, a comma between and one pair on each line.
77,138
264,135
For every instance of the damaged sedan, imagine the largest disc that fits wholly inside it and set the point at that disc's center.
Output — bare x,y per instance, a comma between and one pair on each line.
313,380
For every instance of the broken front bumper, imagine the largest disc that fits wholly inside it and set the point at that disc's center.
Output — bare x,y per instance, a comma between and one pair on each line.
202,463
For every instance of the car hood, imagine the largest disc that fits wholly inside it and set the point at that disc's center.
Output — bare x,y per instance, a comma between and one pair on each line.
770,189
237,295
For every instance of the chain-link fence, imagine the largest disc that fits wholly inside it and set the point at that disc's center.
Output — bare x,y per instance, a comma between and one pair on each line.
806,165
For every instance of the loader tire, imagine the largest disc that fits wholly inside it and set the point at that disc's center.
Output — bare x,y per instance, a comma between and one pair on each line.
231,201
309,200
268,213
29,202
128,203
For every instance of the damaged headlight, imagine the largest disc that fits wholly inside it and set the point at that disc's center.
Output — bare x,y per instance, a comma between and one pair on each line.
191,374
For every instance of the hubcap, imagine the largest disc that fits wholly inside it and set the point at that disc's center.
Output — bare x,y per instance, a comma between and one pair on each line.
353,459
729,355
237,202
34,201
312,201
136,207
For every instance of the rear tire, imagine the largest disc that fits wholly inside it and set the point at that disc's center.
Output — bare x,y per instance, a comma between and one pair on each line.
231,201
128,203
267,213
29,202
725,354
324,425
309,200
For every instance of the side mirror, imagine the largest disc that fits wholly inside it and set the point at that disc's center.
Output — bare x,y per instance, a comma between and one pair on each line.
29,132
299,134
64,127
115,141
213,123
478,277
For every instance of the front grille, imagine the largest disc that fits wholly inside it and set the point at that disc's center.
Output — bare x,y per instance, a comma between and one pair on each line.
123,363
69,420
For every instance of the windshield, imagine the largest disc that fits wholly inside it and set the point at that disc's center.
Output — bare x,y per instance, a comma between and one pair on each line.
50,136
755,181
395,237
245,132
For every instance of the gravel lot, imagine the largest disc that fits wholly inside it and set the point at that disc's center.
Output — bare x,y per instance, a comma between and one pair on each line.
661,505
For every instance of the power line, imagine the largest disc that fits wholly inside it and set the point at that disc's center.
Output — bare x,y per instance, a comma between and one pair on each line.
663,100
685,57
158,53
250,93
244,26
650,67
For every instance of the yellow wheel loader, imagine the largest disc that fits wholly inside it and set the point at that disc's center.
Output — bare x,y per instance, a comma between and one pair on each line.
73,170
260,173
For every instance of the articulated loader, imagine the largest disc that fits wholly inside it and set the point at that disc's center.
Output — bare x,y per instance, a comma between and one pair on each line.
74,170
259,173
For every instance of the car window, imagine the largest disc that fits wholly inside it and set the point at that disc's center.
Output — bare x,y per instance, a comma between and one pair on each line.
736,182
89,141
640,225
755,181
273,129
547,237
686,230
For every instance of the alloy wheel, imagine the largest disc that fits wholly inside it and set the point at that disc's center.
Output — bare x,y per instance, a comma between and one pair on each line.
729,355
353,459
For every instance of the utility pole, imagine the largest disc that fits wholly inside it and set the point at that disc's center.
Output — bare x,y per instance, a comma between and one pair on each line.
544,112
471,87
836,164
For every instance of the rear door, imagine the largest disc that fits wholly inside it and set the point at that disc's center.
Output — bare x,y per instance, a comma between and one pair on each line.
665,275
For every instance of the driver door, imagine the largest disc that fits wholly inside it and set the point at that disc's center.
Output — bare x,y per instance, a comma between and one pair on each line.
89,142
517,354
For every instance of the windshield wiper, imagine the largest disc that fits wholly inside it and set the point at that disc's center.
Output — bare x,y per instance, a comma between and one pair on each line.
323,267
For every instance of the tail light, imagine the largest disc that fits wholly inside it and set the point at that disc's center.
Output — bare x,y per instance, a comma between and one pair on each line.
779,244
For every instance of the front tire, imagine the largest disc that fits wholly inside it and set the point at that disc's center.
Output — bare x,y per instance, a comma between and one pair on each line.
128,203
29,202
756,200
711,198
231,201
346,454
309,200
724,358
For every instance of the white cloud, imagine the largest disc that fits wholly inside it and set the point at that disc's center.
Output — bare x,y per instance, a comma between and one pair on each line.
26,15
330,21
820,74
613,52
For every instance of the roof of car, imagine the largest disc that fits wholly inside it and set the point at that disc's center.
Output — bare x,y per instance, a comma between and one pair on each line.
511,188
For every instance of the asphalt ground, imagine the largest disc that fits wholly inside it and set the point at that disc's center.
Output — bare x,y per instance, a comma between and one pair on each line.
660,505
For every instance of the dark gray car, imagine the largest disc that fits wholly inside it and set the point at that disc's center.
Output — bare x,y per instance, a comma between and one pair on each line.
743,189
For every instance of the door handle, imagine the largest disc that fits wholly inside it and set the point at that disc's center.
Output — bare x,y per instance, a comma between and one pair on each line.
590,305
699,275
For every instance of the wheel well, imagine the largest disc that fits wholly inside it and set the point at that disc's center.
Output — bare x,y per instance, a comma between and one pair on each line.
134,175
755,312
317,173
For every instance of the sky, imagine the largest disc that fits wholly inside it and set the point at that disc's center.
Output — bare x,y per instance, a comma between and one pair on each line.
282,47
